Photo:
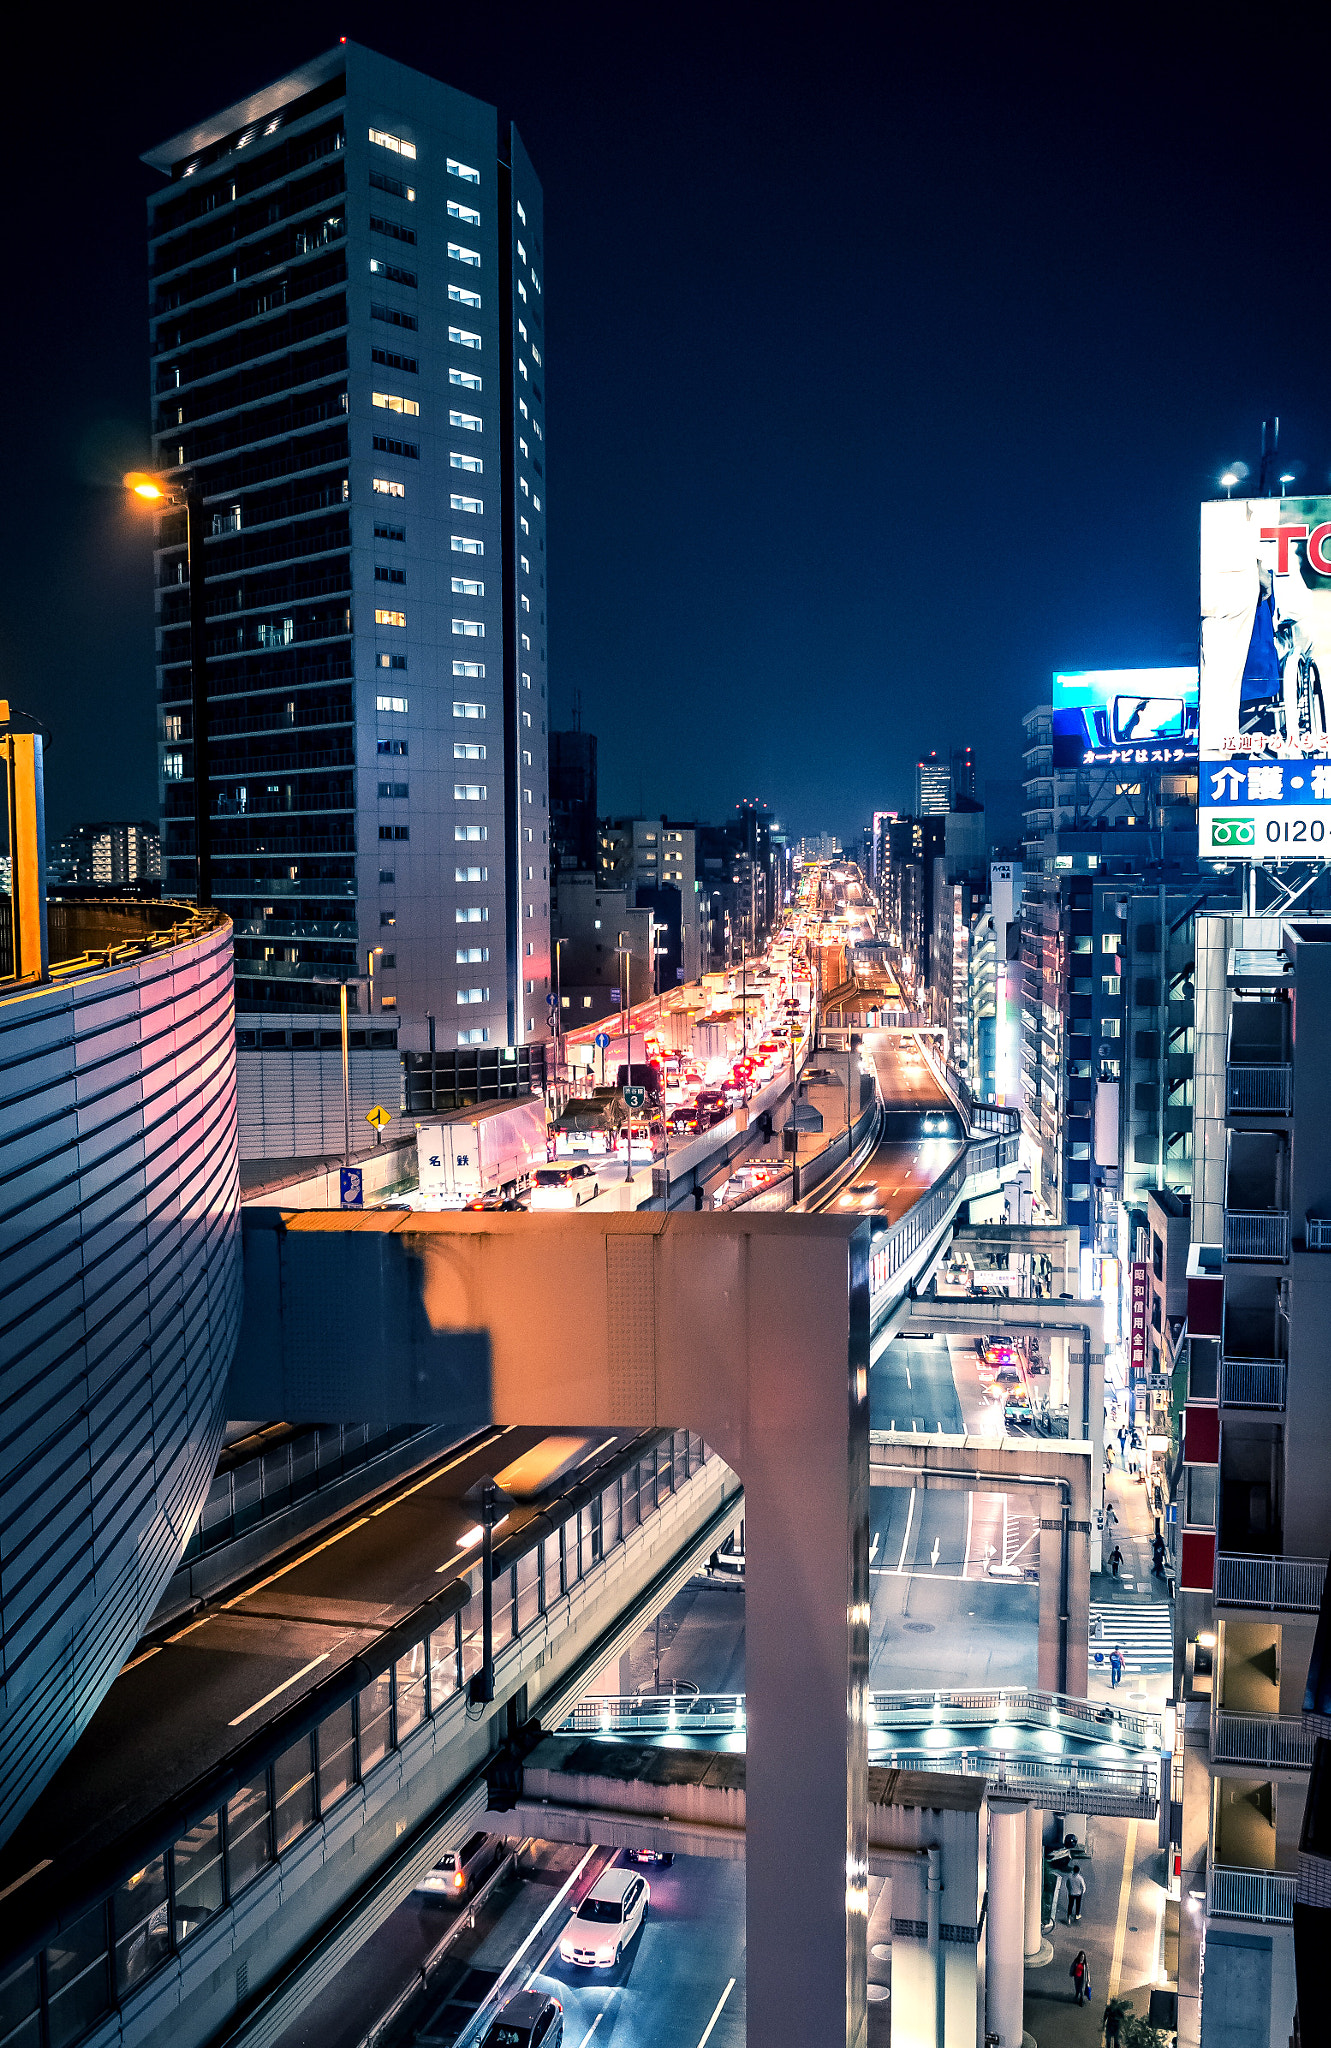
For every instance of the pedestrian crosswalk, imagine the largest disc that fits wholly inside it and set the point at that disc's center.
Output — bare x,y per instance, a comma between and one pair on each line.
1143,1630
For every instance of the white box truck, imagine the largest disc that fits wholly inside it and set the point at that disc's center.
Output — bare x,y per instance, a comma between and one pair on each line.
474,1156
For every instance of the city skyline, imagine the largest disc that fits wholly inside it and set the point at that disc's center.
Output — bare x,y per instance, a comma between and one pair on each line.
1092,561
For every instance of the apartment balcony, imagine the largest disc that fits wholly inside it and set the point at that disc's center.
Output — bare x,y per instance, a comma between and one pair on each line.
1274,1585
1265,1895
1252,1383
1256,1234
1317,1233
1281,1742
1260,1091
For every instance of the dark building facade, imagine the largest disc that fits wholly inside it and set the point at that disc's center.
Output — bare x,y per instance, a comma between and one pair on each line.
573,800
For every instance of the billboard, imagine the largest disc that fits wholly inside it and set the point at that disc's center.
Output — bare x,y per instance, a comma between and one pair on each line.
1147,716
1264,789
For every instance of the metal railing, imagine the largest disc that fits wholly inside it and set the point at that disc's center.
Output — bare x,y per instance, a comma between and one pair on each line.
1266,1089
1290,1584
895,1246
720,1713
1256,1234
1317,1233
1283,1741
286,1473
1252,1383
1250,1895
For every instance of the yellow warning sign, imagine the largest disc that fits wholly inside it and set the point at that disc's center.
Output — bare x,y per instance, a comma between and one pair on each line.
378,1117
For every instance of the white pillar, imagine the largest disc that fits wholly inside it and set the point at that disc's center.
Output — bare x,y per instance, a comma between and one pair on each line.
1034,1879
1004,1969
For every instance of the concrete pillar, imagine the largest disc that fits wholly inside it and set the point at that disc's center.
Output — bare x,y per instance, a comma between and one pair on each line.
1034,1880
625,1673
1004,1968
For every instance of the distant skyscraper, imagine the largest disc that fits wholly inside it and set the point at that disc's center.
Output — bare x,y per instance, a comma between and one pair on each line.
106,854
933,787
348,353
573,800
963,772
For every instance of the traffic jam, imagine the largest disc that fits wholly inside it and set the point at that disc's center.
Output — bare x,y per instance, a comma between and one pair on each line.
626,1096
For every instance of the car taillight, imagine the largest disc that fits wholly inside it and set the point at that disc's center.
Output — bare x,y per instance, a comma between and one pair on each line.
457,1879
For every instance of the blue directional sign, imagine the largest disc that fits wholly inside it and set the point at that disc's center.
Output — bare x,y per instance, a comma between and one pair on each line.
601,1041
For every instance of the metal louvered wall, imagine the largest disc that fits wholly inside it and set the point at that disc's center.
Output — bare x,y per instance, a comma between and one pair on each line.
120,1296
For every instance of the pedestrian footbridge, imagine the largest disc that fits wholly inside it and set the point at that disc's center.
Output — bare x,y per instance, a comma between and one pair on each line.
1064,1754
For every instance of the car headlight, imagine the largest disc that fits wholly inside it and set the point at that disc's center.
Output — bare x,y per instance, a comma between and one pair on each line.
606,1952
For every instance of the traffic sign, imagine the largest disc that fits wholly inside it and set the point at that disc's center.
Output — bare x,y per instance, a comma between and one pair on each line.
378,1117
550,1001
350,1187
634,1098
601,1041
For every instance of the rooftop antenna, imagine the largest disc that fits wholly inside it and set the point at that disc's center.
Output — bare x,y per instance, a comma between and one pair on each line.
1266,474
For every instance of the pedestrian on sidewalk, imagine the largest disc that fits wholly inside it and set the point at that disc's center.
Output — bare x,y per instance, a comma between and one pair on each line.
1122,1438
1113,2023
1076,1893
1115,1560
1080,1974
1115,1668
1158,1558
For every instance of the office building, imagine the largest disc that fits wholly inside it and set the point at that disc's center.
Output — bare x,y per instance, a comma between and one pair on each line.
106,855
933,787
348,355
655,862
593,920
963,773
573,801
1254,1509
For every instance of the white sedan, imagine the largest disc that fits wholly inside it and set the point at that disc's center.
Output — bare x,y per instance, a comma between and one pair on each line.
607,1920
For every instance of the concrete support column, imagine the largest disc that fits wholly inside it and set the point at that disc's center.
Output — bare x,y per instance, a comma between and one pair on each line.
1034,1880
1004,1969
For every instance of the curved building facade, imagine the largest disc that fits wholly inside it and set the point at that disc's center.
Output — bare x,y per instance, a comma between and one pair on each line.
120,1296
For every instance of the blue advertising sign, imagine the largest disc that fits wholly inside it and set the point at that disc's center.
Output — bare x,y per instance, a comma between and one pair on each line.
349,1185
1143,716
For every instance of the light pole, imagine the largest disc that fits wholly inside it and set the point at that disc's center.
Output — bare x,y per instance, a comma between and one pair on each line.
331,981
370,952
626,992
490,1498
170,494
559,1013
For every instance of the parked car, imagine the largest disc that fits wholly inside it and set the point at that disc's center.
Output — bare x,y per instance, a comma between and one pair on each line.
528,2020
607,1920
564,1187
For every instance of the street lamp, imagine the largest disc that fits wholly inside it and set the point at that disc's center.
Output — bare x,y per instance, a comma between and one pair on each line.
625,954
332,981
168,494
559,1012
370,952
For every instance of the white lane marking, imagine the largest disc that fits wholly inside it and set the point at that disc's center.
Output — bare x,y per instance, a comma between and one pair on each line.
910,1516
970,1514
553,1907
591,2030
933,1554
720,2003
909,1381
277,1690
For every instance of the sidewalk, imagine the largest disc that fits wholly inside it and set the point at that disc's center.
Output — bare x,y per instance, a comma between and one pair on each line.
1120,1930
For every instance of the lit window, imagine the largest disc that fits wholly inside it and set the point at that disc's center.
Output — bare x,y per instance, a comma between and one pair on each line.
473,1037
1109,942
461,710
536,353
392,271
467,544
522,367
522,288
388,489
390,661
469,874
390,703
464,587
471,913
173,767
459,254
522,216
522,330
471,462
521,251
470,831
469,422
469,956
462,297
463,338
471,995
466,378
463,171
473,670
523,446
395,143
390,402
469,792
464,751
459,504
469,629
457,211
390,618
586,1002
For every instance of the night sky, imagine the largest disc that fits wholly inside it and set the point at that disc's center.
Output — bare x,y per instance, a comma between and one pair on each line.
887,363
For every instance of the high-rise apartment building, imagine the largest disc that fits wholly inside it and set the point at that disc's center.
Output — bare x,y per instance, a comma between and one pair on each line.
348,355
963,773
655,862
106,854
933,787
